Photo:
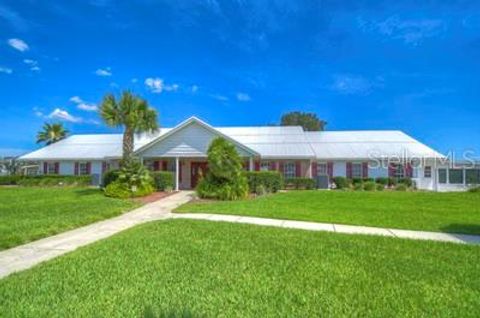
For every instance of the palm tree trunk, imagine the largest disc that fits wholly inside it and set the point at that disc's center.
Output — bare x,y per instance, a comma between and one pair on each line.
127,144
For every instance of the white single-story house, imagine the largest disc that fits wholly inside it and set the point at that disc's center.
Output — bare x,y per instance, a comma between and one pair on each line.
288,149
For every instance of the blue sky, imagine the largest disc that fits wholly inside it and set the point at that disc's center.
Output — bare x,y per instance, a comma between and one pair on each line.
357,64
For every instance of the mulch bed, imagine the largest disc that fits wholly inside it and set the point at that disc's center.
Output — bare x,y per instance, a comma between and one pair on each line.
154,197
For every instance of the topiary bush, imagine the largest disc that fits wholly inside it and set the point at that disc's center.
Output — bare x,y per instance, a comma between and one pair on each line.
369,186
341,183
163,180
300,183
270,181
225,179
109,177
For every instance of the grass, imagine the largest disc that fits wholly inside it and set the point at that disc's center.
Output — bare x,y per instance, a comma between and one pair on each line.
216,269
430,211
27,214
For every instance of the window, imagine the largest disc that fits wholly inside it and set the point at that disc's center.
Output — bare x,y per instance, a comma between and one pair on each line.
356,170
455,176
265,166
51,168
289,170
322,169
399,172
473,176
442,176
83,168
427,172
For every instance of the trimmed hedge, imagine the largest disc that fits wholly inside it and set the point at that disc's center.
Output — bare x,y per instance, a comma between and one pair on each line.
10,180
261,182
54,181
163,180
341,182
300,183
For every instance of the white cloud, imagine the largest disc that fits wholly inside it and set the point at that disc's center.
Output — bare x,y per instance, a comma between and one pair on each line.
157,85
134,80
33,65
194,89
243,97
82,105
221,98
38,112
6,70
61,114
349,84
104,72
35,68
18,44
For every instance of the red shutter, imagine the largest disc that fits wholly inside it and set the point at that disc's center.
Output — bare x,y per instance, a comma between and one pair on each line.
164,165
391,170
179,171
349,170
45,168
104,167
257,165
330,169
298,169
281,167
57,167
365,169
76,169
89,167
156,165
409,170
314,169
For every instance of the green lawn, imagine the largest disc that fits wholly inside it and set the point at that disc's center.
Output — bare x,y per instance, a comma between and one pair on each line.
446,212
27,214
236,270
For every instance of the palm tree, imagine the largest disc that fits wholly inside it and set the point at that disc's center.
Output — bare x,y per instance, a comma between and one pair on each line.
51,133
131,112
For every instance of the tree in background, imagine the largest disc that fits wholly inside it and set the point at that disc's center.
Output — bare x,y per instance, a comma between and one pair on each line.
309,121
133,114
225,179
51,133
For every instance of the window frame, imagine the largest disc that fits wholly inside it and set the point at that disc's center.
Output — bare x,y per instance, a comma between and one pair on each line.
427,172
289,174
83,168
453,177
51,168
322,169
359,166
442,176
476,173
265,166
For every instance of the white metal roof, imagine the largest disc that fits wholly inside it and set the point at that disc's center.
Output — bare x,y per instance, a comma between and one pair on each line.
368,144
269,141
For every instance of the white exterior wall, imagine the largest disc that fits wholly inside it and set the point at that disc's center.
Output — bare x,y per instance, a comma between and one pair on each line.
190,141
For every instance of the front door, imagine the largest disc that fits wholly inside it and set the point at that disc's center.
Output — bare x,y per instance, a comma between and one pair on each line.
198,169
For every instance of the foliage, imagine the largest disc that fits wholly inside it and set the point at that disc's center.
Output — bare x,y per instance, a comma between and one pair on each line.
268,181
406,181
401,187
51,133
382,181
474,190
358,186
163,180
456,212
224,179
217,269
46,180
369,186
357,181
118,189
130,112
341,183
110,176
300,183
392,181
309,121
134,174
380,187
28,214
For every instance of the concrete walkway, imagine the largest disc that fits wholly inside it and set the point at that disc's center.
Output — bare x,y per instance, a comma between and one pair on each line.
337,228
25,256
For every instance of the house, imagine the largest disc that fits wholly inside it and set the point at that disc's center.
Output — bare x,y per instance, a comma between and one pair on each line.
288,149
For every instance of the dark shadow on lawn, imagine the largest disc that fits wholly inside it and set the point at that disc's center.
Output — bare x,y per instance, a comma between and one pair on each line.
87,191
468,233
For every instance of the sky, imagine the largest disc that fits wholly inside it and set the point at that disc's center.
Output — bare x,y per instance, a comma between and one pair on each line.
360,65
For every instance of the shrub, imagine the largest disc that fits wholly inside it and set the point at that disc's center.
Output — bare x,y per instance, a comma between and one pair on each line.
357,180
392,182
382,181
163,180
300,183
369,186
380,187
271,181
54,181
225,179
10,180
134,174
406,181
401,187
474,190
110,176
368,180
358,186
117,189
341,182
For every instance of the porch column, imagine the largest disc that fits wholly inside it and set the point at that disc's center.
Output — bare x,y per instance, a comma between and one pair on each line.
250,164
177,169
